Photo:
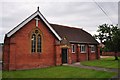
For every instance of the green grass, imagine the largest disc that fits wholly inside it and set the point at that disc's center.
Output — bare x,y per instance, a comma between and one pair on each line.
103,62
57,72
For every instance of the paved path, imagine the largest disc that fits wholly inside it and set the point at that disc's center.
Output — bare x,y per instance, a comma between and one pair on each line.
0,66
94,68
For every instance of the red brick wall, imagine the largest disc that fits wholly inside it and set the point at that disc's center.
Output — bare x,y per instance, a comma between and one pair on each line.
74,54
20,50
18,53
58,55
74,57
5,57
78,56
69,56
110,54
1,51
92,55
85,56
98,51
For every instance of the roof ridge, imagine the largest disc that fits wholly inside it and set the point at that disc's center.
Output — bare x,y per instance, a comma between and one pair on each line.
71,27
74,34
65,26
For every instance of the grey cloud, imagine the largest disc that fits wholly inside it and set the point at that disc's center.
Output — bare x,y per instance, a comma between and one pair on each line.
84,15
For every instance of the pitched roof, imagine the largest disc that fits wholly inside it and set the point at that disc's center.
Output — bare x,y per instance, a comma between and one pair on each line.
37,13
75,35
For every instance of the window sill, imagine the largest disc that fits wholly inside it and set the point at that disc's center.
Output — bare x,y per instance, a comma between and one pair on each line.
82,52
73,52
36,53
92,51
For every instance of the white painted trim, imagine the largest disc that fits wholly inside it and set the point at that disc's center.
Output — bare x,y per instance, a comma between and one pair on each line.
91,48
81,48
81,42
37,21
82,51
49,26
30,18
21,25
74,48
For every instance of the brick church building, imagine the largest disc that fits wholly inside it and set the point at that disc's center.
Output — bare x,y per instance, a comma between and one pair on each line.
36,43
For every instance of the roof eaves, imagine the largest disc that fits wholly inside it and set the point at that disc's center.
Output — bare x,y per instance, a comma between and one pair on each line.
83,42
21,25
30,18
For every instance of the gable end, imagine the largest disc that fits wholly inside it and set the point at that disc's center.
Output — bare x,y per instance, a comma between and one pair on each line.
37,13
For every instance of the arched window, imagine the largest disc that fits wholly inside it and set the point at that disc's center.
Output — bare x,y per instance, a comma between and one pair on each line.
33,44
39,43
36,42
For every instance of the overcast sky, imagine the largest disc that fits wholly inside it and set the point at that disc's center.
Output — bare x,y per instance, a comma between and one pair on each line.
74,13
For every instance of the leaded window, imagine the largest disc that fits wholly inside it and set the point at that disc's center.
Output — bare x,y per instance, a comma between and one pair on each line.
39,43
33,43
36,42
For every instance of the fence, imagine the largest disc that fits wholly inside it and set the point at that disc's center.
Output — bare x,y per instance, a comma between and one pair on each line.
110,54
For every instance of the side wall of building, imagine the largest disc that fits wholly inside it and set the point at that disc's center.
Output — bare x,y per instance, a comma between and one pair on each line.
87,55
20,53
5,56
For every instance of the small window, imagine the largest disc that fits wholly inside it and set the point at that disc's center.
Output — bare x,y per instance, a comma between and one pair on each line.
83,48
73,48
92,48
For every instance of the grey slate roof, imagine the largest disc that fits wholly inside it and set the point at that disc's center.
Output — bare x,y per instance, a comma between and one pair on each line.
75,35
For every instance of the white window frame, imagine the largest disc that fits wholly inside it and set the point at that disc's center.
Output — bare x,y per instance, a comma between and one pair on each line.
92,50
81,50
73,51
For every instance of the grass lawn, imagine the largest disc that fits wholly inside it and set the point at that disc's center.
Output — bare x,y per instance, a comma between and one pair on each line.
57,72
103,62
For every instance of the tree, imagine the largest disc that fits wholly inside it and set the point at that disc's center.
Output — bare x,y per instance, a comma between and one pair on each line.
109,35
115,43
